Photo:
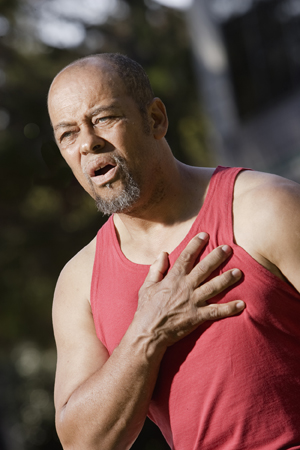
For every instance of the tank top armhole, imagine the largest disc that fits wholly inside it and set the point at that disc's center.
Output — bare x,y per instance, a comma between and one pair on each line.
95,282
95,273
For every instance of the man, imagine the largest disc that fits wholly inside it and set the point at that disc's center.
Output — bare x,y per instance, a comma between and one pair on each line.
134,312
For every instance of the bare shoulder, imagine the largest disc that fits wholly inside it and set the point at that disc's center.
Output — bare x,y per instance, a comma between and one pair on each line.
262,195
78,270
72,292
267,220
249,182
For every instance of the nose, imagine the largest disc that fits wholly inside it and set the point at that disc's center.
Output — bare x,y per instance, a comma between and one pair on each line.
90,142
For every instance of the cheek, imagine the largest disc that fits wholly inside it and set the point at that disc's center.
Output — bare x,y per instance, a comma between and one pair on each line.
72,158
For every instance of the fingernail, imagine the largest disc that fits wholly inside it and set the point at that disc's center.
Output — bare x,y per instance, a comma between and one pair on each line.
226,249
203,235
240,305
236,273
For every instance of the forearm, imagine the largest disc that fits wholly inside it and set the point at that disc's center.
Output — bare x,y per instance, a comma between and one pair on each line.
108,410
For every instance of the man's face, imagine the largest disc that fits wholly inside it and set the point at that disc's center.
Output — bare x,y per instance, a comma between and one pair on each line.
101,135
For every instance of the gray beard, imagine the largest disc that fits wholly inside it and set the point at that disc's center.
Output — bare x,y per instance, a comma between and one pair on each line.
126,199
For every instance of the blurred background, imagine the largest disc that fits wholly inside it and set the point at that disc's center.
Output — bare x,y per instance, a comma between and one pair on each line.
228,72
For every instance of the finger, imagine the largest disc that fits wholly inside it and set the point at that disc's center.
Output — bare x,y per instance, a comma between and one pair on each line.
207,265
218,284
187,258
157,269
220,310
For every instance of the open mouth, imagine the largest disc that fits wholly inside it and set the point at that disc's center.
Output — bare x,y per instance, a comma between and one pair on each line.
103,170
100,176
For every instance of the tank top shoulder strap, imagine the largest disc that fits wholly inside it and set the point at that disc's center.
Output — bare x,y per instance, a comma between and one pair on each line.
217,209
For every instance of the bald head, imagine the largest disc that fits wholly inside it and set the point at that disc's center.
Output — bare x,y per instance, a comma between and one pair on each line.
132,75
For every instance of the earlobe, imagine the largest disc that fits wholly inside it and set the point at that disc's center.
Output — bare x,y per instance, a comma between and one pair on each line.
159,118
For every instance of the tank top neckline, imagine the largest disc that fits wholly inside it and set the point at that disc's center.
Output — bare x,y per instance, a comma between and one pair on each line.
177,250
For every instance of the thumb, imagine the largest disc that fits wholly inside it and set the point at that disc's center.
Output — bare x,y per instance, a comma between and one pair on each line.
157,269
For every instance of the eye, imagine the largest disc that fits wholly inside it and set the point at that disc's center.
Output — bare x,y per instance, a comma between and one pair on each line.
66,135
102,119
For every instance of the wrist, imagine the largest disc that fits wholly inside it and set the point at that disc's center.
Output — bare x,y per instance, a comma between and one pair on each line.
145,341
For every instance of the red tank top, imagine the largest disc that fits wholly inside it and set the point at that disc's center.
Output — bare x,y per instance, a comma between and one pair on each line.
232,384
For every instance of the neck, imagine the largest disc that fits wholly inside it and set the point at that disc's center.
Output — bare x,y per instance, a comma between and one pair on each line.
181,195
164,199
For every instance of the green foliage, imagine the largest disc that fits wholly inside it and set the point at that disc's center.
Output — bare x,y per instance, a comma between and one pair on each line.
45,216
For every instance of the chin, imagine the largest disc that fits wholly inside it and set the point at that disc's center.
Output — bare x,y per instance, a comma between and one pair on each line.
122,202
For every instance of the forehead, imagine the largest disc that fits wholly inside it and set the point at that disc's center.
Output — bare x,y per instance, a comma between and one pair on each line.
84,87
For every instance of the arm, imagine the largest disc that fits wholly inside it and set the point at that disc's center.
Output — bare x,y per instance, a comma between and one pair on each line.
102,401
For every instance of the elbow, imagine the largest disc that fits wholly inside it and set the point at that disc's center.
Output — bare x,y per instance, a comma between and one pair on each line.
74,434
64,430
69,431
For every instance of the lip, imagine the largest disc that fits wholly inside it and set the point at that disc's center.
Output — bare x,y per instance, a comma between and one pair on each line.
107,177
109,170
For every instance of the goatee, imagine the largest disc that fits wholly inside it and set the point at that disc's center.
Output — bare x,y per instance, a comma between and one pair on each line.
126,199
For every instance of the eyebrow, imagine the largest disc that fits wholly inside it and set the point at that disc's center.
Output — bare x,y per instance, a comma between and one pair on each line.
93,113
103,109
64,125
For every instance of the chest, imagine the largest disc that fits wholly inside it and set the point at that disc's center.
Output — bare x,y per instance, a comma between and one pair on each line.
144,248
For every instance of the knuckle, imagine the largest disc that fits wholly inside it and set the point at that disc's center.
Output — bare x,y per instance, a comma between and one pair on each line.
207,290
213,312
202,268
175,272
145,289
218,311
142,288
185,257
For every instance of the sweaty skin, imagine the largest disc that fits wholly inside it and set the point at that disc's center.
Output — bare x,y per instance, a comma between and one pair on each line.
101,401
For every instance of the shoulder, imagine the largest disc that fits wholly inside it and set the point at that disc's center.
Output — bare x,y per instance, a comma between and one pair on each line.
267,218
71,303
262,195
83,260
251,181
75,277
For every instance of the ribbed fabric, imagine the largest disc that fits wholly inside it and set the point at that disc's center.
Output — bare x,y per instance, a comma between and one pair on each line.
232,384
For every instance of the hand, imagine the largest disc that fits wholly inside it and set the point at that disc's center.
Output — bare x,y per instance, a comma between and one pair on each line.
172,306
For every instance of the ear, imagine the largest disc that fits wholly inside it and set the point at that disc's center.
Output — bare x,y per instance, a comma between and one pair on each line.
158,118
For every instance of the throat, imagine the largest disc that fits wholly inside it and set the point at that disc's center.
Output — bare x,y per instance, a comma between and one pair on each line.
145,247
